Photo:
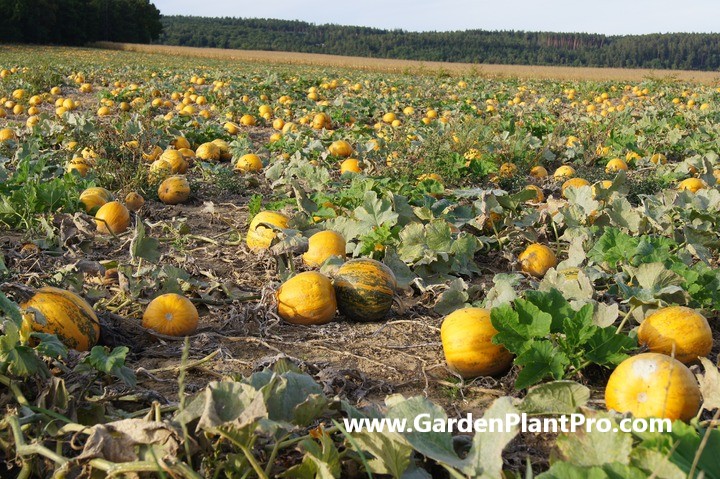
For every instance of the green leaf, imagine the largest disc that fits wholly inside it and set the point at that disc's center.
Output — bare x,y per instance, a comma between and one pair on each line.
403,274
112,363
596,448
557,397
517,328
503,290
579,328
391,453
11,310
540,360
612,248
50,345
606,347
375,211
23,361
455,297
143,246
553,303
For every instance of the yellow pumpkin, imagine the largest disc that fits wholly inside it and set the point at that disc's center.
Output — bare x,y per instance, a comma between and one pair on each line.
180,142
539,196
6,134
260,236
340,148
171,314
615,165
64,314
508,170
351,165
564,172
174,190
323,245
249,163
112,217
538,172
537,259
677,328
94,197
307,298
153,154
225,153
177,162
466,336
653,385
208,152
692,184
134,201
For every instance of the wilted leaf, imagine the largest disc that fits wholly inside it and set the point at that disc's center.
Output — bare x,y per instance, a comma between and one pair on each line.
130,440
596,448
455,297
503,290
710,385
143,246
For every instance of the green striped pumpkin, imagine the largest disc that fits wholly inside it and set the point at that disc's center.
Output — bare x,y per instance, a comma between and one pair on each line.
65,314
364,289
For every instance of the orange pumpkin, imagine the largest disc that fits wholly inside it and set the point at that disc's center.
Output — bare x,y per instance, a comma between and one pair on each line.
63,313
94,197
112,217
537,259
307,298
466,336
323,245
171,314
134,201
174,190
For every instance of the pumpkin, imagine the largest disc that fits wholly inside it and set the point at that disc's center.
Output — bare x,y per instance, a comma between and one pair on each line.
225,153
134,201
112,217
307,298
260,236
653,385
208,152
573,183
171,314
79,165
6,134
538,172
174,190
320,121
176,160
537,259
692,185
94,197
153,154
249,163
180,142
323,245
677,328
351,165
340,148
564,172
364,289
615,165
508,170
539,196
466,336
64,314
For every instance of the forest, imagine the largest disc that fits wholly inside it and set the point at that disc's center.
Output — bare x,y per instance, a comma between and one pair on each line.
685,51
76,22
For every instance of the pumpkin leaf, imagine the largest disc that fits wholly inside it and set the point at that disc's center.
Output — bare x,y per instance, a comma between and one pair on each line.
454,297
375,211
10,310
557,397
595,448
710,385
112,363
540,360
142,246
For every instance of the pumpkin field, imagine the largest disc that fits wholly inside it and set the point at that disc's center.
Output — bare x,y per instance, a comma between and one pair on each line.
207,265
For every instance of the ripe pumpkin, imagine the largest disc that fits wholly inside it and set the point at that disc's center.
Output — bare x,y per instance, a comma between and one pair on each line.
249,162
508,170
94,197
322,246
225,153
653,385
340,148
307,298
615,165
466,336
692,184
6,134
259,236
174,190
564,172
180,142
537,259
178,165
679,328
351,165
539,196
538,172
64,314
365,289
134,201
208,152
112,217
171,314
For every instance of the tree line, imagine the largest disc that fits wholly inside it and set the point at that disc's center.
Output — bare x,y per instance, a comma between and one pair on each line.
687,51
75,22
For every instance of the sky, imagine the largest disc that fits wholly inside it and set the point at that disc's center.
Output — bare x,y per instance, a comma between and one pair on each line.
611,17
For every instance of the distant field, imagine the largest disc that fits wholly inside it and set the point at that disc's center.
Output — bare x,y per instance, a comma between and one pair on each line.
400,66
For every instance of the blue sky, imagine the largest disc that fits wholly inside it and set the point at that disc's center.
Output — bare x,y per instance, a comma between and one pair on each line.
609,16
